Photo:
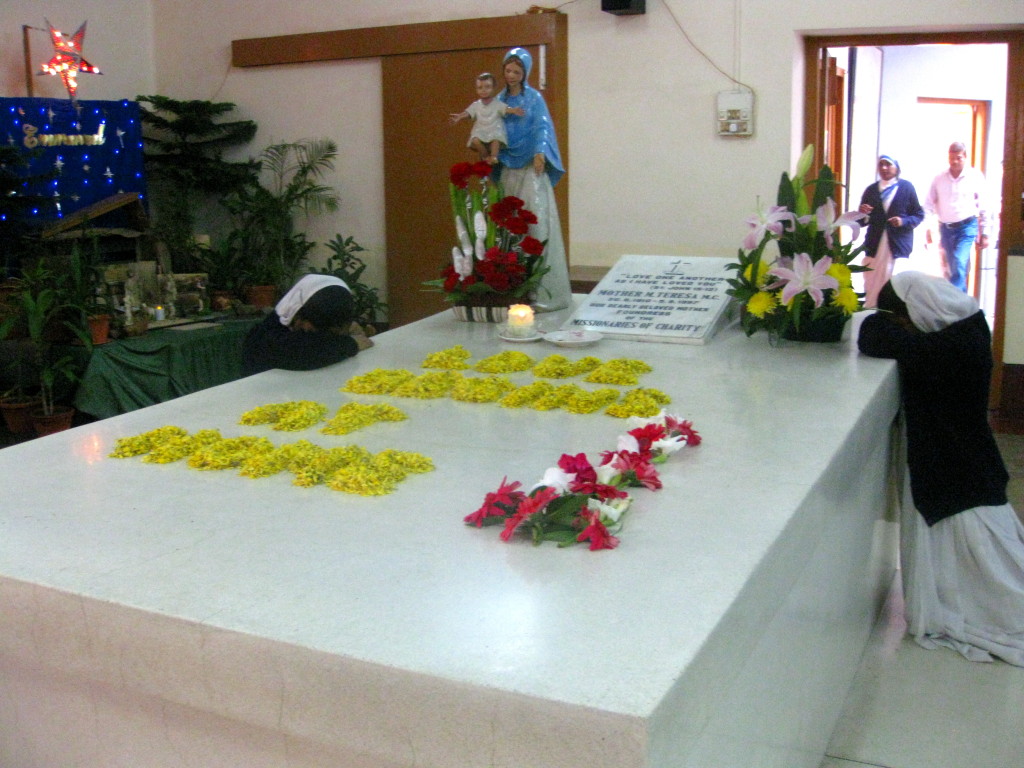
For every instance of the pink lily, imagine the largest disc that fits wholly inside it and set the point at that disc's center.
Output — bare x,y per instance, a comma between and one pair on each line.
828,223
805,275
772,220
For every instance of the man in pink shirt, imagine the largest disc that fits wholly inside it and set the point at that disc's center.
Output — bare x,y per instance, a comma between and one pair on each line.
957,196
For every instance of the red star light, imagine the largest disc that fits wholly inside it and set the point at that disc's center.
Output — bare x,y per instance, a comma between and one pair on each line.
67,59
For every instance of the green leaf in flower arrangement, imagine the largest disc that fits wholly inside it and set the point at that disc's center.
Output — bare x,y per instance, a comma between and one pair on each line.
824,186
564,509
562,537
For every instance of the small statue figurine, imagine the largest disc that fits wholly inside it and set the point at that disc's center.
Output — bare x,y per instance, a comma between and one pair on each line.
488,115
169,291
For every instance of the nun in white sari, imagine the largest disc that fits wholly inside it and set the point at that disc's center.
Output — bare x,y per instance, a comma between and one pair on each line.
961,543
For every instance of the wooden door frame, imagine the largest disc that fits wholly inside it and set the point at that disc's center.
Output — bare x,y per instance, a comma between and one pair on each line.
1011,231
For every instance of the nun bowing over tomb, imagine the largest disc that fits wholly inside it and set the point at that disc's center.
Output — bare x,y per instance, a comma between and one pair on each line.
311,327
961,542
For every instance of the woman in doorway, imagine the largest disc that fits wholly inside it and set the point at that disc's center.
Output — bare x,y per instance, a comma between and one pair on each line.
530,166
961,542
893,211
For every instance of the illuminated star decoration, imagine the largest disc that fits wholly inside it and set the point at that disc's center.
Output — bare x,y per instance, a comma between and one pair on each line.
67,59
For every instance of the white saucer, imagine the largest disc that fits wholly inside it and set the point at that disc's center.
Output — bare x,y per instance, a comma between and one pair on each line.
577,338
520,339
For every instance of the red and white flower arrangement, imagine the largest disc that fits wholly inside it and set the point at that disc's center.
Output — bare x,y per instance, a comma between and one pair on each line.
579,502
495,255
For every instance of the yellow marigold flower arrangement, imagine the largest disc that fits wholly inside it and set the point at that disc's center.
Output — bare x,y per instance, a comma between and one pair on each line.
510,361
622,371
181,447
353,416
644,402
561,367
228,452
523,396
137,445
487,389
428,386
286,417
379,381
451,359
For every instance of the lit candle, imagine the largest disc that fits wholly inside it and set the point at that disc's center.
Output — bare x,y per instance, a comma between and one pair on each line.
520,321
158,313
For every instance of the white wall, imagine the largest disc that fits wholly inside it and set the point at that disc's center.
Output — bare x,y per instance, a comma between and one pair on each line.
648,174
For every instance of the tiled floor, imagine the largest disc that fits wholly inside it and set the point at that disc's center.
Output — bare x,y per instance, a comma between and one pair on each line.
913,708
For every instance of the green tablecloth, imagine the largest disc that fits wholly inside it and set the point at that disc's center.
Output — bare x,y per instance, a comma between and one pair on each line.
132,373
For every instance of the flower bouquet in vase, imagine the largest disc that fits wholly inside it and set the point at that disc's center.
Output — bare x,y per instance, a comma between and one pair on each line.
496,262
794,272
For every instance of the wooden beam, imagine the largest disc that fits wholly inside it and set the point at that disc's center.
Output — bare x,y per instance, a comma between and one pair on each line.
369,42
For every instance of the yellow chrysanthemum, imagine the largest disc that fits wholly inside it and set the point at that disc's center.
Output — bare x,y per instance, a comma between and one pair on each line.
847,300
841,273
762,271
761,303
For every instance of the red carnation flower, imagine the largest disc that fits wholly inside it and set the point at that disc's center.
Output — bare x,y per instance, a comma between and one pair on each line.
532,246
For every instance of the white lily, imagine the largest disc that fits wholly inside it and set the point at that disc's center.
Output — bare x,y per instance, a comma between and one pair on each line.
463,264
610,511
557,478
606,474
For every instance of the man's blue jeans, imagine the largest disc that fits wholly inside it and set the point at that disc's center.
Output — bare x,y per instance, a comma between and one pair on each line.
958,243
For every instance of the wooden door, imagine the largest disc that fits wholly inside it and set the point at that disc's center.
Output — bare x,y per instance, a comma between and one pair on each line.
420,91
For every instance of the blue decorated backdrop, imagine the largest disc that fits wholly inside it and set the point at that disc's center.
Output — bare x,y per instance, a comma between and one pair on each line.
95,148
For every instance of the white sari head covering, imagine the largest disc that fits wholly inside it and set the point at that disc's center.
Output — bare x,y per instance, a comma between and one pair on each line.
301,292
932,302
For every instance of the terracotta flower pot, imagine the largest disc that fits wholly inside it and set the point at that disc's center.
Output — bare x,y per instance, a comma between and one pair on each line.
261,295
57,421
99,328
17,413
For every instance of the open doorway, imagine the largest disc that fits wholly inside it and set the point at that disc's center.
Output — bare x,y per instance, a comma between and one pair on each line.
904,95
911,102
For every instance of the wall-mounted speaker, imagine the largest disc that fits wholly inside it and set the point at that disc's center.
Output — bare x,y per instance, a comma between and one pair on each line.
624,7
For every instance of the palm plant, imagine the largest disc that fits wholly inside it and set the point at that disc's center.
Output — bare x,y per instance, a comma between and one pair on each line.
265,214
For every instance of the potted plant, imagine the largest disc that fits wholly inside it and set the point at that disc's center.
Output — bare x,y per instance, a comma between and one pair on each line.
44,303
183,144
84,289
264,214
343,263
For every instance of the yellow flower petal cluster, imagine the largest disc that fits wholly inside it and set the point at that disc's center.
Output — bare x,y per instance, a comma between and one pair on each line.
510,361
428,386
488,389
622,371
228,452
523,396
180,447
380,381
643,402
761,303
353,416
286,417
137,445
351,469
561,367
380,474
590,402
451,359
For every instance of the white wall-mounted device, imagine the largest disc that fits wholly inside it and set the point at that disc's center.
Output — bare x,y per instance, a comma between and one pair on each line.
735,113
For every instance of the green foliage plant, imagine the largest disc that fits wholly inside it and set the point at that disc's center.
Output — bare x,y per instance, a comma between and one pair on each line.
345,264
